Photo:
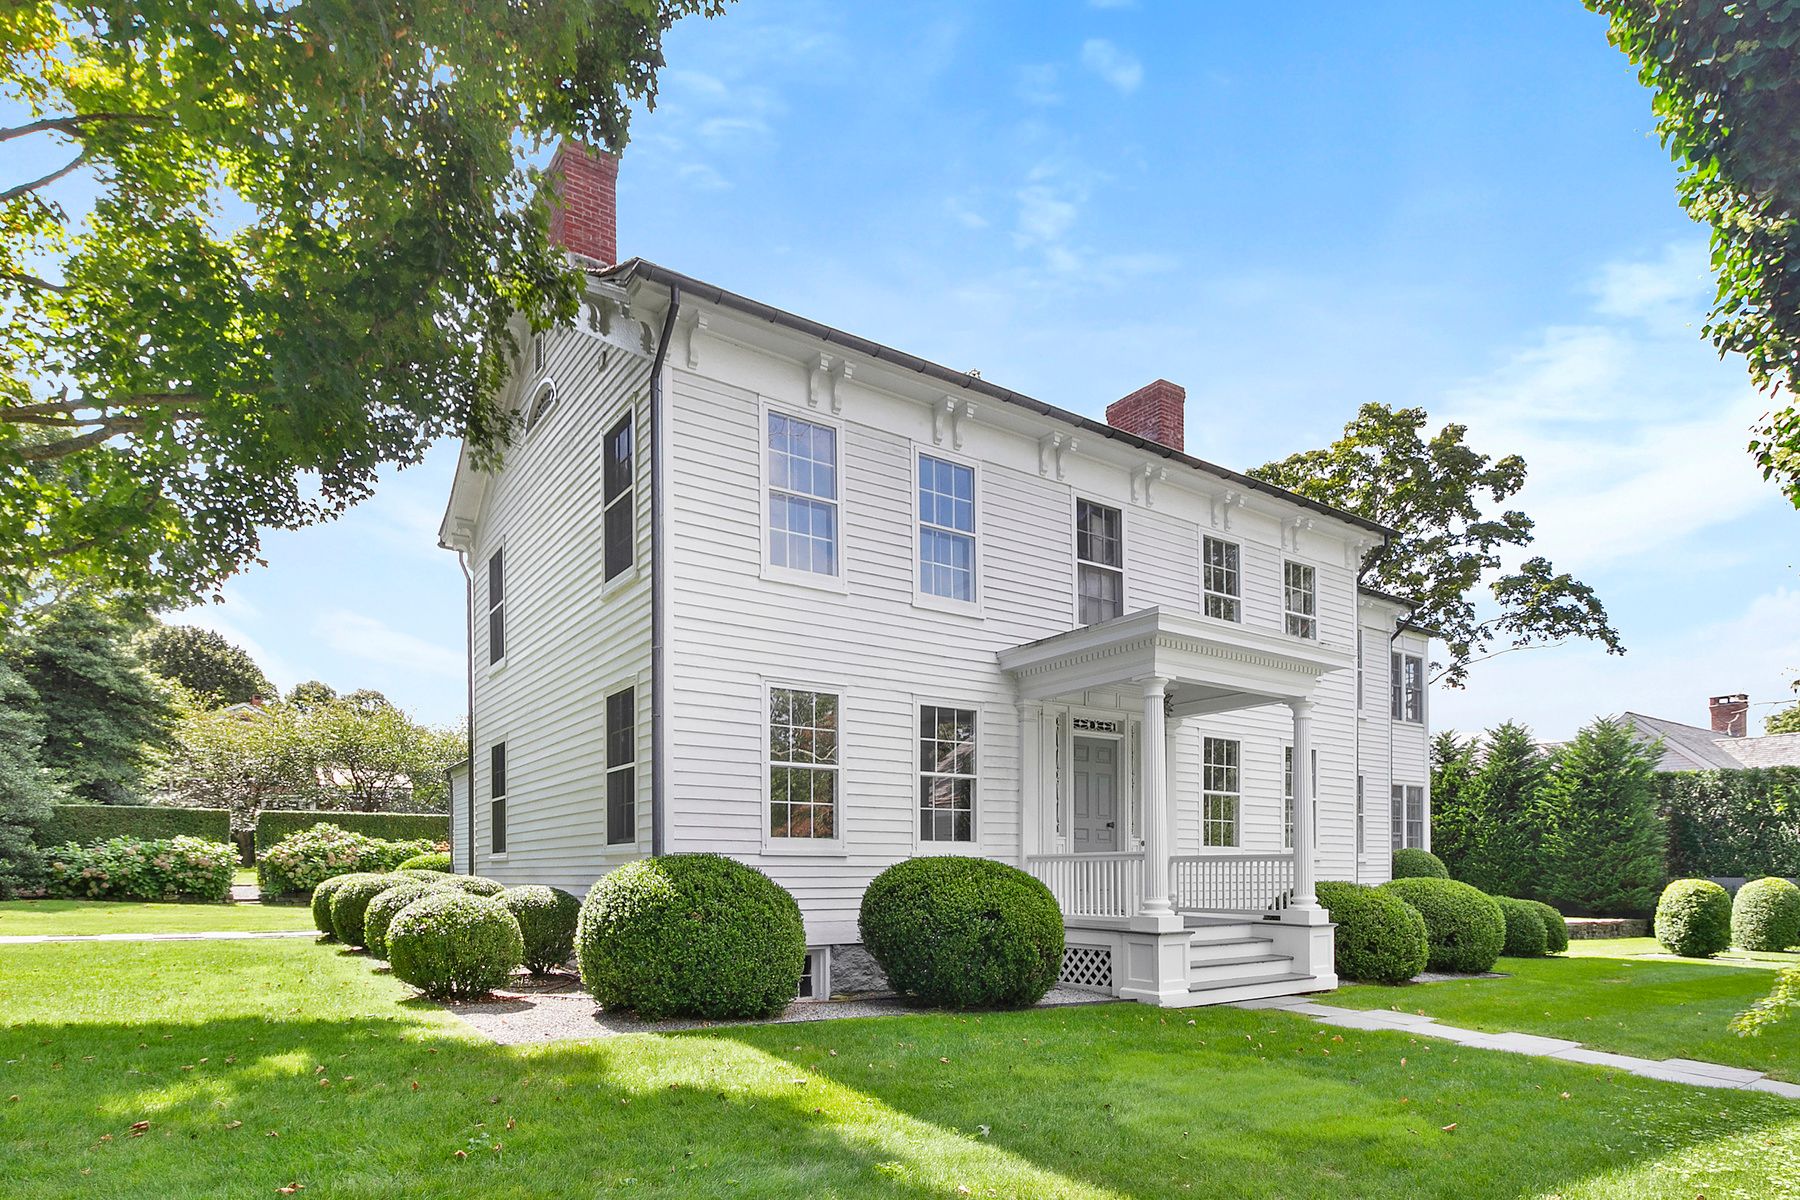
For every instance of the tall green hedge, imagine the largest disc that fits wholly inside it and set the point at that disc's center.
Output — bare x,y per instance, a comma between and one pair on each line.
274,824
1732,823
89,823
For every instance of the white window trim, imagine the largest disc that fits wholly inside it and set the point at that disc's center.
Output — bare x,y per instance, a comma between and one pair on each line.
769,571
536,413
636,764
1205,592
506,796
804,847
636,570
1399,680
1361,669
1075,559
494,666
922,598
820,959
1287,612
921,845
1237,846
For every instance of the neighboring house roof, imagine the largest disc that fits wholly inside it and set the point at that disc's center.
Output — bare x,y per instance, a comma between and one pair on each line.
1693,748
1770,750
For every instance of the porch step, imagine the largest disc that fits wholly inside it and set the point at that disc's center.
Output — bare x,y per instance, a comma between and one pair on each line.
1228,972
1228,949
1229,991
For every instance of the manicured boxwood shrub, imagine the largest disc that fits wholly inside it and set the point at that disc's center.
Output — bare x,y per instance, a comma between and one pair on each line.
1380,938
385,907
419,876
299,862
1526,936
322,894
1693,918
1419,864
690,935
275,824
86,824
1765,915
475,885
963,932
351,901
451,945
1556,927
436,860
127,868
546,918
1463,926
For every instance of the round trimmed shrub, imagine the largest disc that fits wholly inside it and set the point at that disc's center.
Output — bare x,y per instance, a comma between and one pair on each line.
435,860
1463,926
1380,938
546,918
963,932
350,902
419,875
1765,915
321,899
451,945
384,908
690,935
1693,918
475,885
1526,936
1419,864
1556,928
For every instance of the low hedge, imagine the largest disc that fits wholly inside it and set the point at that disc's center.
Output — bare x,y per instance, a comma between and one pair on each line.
1556,927
963,932
690,935
351,901
1418,864
547,918
301,861
1526,936
1693,918
1380,938
1765,915
85,824
385,907
475,885
126,868
274,824
1463,926
321,902
437,860
451,944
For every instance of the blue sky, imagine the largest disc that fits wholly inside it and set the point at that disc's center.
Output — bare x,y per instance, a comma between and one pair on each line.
1288,211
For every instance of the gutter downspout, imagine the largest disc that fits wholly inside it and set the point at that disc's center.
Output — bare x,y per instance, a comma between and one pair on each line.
462,560
659,684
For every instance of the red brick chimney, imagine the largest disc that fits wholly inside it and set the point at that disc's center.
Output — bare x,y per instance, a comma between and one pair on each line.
584,202
1730,714
1157,411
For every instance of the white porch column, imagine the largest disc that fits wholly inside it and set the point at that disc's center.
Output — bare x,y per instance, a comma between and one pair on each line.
1154,773
1304,894
1031,779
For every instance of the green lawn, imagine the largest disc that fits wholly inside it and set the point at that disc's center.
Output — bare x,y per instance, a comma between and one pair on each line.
1649,947
1647,1007
263,1064
244,875
68,917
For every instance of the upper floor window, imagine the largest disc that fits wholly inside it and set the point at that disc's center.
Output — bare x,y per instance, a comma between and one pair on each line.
497,798
1359,670
618,489
946,529
1099,561
803,763
1361,845
496,606
1300,594
621,767
803,495
1407,688
1219,579
1220,790
946,774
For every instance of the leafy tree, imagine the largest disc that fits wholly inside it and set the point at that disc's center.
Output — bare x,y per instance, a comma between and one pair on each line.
311,693
311,239
1455,824
1725,80
202,661
1602,848
1785,721
27,790
1437,492
1781,1002
1504,795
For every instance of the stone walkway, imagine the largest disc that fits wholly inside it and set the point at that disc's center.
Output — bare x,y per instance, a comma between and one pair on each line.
33,939
1673,1070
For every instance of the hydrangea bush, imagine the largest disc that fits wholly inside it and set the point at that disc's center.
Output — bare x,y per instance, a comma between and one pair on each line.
301,861
126,868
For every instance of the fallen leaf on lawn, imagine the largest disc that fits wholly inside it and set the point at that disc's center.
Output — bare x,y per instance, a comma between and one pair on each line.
415,1085
234,1124
1565,1095
943,1060
510,1122
460,1155
140,1128
1450,1128
290,1189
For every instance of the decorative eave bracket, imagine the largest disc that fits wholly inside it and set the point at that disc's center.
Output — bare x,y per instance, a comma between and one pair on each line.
1142,480
1051,448
1290,532
693,328
823,380
1220,506
948,418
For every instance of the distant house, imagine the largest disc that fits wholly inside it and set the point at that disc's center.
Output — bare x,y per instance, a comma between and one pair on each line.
1724,746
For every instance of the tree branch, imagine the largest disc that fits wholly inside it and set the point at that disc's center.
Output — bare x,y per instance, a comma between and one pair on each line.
105,428
73,124
30,280
1496,654
13,193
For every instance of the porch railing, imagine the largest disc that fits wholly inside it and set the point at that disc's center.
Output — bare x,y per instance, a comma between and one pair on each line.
1232,882
1092,885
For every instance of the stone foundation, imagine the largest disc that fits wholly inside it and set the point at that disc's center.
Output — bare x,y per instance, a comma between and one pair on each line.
1606,927
854,972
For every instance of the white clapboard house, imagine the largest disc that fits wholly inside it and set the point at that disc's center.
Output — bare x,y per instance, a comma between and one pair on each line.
746,583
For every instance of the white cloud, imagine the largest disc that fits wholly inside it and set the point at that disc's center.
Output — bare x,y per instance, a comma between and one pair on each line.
357,636
1660,291
1037,84
1116,67
964,213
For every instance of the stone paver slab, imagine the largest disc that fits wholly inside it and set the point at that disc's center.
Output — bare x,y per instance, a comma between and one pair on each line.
1774,1087
1717,1070
1530,1043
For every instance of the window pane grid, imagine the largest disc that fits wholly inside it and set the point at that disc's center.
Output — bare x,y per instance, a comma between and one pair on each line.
618,490
802,495
1300,599
803,763
1287,793
1220,579
497,798
1100,561
947,757
946,529
1219,798
496,598
621,769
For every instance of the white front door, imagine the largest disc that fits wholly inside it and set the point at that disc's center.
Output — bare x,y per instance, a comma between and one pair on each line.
1095,828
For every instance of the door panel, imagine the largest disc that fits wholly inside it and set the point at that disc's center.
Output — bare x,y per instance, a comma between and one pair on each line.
1095,779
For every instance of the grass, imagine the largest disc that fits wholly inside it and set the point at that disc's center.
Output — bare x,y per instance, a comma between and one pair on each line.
1647,1007
1649,947
244,875
259,1065
83,917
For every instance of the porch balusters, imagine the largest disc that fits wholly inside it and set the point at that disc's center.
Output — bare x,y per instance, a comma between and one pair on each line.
1304,894
1154,782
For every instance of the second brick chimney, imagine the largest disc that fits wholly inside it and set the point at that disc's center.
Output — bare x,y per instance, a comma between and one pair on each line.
1730,715
584,203
1157,411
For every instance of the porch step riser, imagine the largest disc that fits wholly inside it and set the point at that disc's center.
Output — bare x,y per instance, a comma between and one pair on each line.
1297,986
1211,974
1208,952
1223,933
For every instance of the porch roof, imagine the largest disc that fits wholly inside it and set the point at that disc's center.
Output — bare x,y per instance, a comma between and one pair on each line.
1212,665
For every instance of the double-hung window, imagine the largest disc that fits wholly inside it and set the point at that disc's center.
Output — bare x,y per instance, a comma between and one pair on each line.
621,767
1407,688
946,773
1287,792
1361,845
1409,817
1220,791
496,606
803,495
946,529
497,798
1300,592
1220,579
1099,561
618,493
803,764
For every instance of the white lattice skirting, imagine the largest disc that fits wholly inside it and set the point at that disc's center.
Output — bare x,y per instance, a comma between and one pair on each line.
1088,967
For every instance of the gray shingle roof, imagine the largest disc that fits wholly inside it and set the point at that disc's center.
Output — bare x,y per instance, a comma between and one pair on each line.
1692,748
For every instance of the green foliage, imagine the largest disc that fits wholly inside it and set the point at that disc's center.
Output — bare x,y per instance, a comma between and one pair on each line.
385,907
1526,934
124,868
451,945
1765,915
1602,846
351,900
1502,812
437,860
1785,721
86,823
1464,928
547,917
1725,80
1732,823
1455,821
275,825
301,861
1781,1001
321,901
1413,863
690,935
474,885
1693,918
311,239
1437,493
1379,937
1556,927
27,790
963,932
216,672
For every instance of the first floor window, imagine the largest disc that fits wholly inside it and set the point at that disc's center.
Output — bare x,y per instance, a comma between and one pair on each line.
1220,792
1407,688
803,495
621,767
946,529
1300,592
1219,578
946,774
803,763
497,798
1287,792
1408,817
1360,843
1099,561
